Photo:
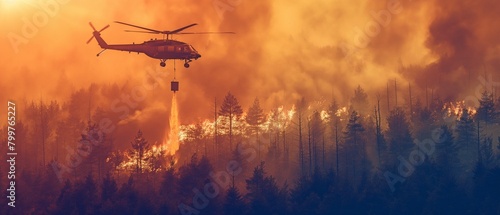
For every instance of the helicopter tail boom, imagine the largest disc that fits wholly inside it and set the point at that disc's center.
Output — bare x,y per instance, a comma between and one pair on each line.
100,41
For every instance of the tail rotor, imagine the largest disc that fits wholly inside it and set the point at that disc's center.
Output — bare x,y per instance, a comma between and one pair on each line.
90,23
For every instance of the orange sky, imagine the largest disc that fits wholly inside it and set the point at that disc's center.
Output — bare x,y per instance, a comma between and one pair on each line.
282,50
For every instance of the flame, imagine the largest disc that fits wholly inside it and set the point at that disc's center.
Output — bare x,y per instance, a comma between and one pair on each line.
341,111
129,162
455,108
324,116
291,112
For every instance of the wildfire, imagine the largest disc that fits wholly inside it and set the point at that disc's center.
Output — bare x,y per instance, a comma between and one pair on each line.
455,108
324,115
129,163
341,112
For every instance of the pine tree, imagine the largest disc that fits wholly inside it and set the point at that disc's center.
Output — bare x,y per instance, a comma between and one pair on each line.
168,192
467,143
108,188
234,203
317,131
487,154
334,120
140,146
300,114
85,195
381,145
447,152
263,194
231,112
255,118
353,140
486,111
399,134
360,101
65,202
465,129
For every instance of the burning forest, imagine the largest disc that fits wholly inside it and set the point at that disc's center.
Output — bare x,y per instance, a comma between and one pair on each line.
331,107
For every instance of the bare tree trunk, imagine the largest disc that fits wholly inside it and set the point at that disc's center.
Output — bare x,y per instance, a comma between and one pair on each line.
411,103
42,126
231,131
323,153
388,105
479,159
378,120
395,92
301,144
216,150
337,145
309,144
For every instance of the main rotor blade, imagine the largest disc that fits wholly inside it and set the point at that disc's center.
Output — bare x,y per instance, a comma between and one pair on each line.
107,26
225,32
176,31
136,26
90,23
88,41
146,32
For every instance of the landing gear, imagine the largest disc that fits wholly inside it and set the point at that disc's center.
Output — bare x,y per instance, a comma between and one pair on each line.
186,63
162,63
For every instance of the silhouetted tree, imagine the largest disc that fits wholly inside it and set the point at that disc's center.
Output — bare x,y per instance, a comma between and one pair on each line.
381,145
127,198
139,146
108,188
231,112
399,134
234,203
465,129
467,142
317,131
447,153
168,192
301,105
487,154
354,146
263,194
255,118
335,127
85,195
486,110
65,203
422,121
360,101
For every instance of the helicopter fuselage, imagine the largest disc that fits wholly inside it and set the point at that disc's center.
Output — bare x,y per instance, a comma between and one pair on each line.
160,49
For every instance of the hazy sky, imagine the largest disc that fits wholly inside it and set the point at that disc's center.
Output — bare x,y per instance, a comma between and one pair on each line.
282,50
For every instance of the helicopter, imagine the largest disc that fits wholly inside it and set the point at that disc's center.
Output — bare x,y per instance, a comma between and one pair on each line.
163,49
